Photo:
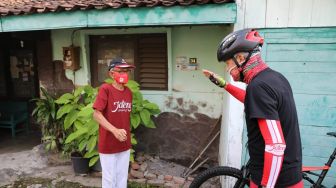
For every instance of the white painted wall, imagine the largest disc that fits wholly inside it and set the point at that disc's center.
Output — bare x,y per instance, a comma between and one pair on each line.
191,41
288,13
230,148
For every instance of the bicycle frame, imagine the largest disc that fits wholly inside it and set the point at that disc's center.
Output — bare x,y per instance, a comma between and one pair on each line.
322,175
246,175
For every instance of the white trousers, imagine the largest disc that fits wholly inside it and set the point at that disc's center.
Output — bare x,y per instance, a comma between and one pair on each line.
115,169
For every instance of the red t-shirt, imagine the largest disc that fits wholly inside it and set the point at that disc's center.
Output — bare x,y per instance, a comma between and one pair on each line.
116,107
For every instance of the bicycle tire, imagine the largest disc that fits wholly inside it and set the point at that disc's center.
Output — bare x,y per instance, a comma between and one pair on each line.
219,171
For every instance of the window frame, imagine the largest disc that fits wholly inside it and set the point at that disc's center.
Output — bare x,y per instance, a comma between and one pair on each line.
85,39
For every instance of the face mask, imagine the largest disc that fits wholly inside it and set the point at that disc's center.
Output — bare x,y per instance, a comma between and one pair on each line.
229,71
120,78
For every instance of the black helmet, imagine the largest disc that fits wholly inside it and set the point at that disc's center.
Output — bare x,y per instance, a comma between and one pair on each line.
245,40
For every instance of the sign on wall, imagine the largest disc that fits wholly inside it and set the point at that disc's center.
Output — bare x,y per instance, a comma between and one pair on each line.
186,64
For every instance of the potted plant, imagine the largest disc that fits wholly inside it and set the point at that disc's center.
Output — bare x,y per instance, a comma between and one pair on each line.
51,128
76,112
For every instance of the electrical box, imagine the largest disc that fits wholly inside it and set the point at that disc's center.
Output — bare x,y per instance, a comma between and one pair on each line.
71,58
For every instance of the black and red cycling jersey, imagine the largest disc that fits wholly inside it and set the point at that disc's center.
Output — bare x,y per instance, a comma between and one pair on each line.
272,126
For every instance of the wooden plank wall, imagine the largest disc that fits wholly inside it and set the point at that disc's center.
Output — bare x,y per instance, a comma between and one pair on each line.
307,58
289,13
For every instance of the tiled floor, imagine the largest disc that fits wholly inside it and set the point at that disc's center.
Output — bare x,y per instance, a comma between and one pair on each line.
21,142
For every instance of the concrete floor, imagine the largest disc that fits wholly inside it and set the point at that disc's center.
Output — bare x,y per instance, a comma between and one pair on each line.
23,141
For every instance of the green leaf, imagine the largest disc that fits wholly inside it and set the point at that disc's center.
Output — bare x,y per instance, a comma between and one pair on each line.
137,98
92,143
133,140
45,93
53,109
47,147
155,111
64,110
135,120
64,99
87,111
78,124
133,85
91,154
35,111
70,118
78,91
88,89
75,135
151,106
145,116
150,124
132,157
82,145
92,127
53,145
93,161
108,80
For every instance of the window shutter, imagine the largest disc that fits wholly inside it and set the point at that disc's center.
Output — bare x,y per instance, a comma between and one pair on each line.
152,69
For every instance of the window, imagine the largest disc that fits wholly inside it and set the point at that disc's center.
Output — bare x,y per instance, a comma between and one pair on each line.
148,52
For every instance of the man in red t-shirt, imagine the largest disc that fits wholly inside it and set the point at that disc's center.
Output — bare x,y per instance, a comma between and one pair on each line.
113,106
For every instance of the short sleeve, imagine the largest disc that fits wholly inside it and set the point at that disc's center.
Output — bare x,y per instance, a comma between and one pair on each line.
101,99
261,102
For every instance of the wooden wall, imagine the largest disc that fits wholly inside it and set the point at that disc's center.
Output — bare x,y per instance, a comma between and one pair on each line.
307,58
288,13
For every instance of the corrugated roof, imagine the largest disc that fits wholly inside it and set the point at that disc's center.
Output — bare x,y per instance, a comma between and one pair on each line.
18,7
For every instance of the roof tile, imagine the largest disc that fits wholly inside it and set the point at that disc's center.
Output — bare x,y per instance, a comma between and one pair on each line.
17,7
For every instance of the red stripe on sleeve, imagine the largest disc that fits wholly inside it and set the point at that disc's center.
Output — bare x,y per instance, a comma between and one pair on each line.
274,150
236,92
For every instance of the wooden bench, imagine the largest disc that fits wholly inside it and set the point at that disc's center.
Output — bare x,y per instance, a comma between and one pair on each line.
13,113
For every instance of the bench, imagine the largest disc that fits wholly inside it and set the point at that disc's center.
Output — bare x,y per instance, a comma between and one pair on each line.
13,113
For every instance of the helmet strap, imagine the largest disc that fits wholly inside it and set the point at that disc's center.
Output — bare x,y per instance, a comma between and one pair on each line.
240,66
236,62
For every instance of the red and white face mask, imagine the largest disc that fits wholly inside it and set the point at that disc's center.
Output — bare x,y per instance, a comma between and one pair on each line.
120,77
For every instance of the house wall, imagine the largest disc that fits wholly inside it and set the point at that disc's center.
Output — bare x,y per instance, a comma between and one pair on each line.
289,13
192,101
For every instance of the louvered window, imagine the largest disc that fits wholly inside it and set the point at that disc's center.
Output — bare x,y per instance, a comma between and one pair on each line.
147,51
152,62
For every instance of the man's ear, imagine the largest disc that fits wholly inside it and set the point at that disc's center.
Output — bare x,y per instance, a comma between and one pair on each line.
240,58
110,73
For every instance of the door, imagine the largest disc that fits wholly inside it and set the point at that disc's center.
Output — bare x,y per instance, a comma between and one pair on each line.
22,72
18,79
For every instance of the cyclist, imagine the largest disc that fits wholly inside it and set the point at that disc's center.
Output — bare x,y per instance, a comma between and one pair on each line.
274,141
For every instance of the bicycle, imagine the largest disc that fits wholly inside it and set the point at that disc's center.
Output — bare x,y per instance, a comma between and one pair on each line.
240,178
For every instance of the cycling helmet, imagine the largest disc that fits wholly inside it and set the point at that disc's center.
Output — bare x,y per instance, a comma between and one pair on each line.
246,40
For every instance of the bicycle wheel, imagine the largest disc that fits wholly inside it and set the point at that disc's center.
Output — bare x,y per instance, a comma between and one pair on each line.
214,177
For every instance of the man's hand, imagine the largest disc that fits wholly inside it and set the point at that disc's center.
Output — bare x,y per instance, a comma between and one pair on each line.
214,78
120,134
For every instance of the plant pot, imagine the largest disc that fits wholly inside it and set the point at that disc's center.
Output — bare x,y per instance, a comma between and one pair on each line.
80,164
97,167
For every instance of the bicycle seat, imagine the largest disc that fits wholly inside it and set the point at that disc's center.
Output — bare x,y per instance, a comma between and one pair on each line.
332,134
